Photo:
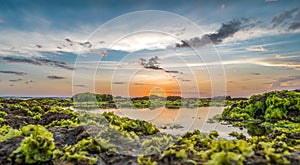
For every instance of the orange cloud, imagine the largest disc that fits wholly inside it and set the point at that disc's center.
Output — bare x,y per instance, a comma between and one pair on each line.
260,49
278,56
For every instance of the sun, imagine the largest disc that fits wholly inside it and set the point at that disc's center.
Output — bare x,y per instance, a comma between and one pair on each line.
157,91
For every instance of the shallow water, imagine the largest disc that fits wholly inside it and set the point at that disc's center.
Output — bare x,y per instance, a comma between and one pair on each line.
184,119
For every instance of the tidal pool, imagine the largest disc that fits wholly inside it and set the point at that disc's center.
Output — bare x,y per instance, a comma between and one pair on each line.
178,121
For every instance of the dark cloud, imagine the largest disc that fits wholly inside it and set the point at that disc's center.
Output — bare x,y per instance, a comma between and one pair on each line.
16,80
255,73
59,64
56,77
27,82
80,85
39,46
152,63
21,60
294,26
68,40
46,61
288,18
38,61
172,71
119,83
226,30
282,17
86,44
55,63
14,72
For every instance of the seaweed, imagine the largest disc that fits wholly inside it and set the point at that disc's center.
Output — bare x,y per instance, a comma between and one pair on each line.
145,161
138,126
37,146
65,136
3,114
273,111
237,135
82,150
6,132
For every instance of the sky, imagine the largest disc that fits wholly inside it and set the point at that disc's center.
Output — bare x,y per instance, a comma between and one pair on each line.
133,48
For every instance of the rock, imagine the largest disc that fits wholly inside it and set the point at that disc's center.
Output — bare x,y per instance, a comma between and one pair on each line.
68,136
17,122
52,116
7,147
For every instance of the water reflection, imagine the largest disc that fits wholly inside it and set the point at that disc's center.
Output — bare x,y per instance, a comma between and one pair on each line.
178,121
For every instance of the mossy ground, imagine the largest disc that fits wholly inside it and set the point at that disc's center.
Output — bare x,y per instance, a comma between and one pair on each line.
42,132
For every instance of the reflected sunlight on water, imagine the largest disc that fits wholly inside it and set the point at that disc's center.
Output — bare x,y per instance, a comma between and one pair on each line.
178,121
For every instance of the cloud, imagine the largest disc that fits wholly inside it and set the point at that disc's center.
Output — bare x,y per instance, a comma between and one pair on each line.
186,80
294,26
1,20
35,43
55,63
119,83
223,6
255,73
289,18
260,49
16,80
85,44
14,72
278,56
172,71
276,63
21,60
152,63
226,30
27,82
292,64
139,84
270,0
80,85
37,61
56,77
286,82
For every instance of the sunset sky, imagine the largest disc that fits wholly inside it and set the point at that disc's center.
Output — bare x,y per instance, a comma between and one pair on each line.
203,49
